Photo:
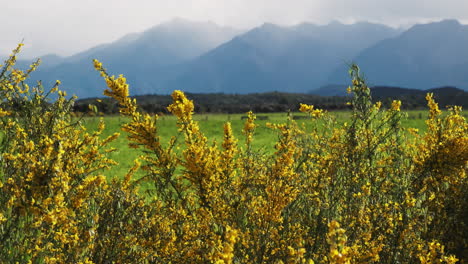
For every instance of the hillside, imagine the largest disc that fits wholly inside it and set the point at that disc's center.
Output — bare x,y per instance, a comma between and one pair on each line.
201,57
145,58
428,55
274,58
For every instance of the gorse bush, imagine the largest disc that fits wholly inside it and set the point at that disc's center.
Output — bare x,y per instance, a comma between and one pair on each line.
367,191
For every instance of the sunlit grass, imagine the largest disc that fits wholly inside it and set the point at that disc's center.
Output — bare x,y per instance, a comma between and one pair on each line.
212,126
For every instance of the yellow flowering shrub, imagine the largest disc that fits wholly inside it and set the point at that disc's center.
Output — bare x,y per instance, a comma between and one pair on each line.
50,180
367,191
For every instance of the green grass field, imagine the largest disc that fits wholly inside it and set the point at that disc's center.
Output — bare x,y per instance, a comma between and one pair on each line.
212,126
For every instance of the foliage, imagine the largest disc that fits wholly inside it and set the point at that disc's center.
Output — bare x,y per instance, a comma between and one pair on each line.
277,102
367,191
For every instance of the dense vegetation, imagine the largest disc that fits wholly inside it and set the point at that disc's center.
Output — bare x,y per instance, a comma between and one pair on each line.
366,191
280,102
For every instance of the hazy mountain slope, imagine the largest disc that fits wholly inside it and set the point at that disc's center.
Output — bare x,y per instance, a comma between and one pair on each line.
428,55
244,64
205,58
47,61
273,58
144,58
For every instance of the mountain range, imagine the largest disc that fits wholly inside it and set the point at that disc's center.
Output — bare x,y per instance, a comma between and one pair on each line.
202,57
424,56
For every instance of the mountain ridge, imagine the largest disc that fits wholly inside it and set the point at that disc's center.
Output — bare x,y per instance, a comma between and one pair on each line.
424,55
271,57
203,57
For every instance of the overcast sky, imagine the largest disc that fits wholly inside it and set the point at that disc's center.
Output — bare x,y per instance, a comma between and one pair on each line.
65,27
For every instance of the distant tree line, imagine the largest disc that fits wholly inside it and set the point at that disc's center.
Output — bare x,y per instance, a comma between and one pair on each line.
222,103
279,101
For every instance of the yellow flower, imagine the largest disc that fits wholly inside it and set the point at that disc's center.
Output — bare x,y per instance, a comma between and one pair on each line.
2,218
396,105
4,113
97,65
306,108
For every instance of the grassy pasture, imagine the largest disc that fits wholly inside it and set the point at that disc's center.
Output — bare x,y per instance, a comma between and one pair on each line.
212,127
